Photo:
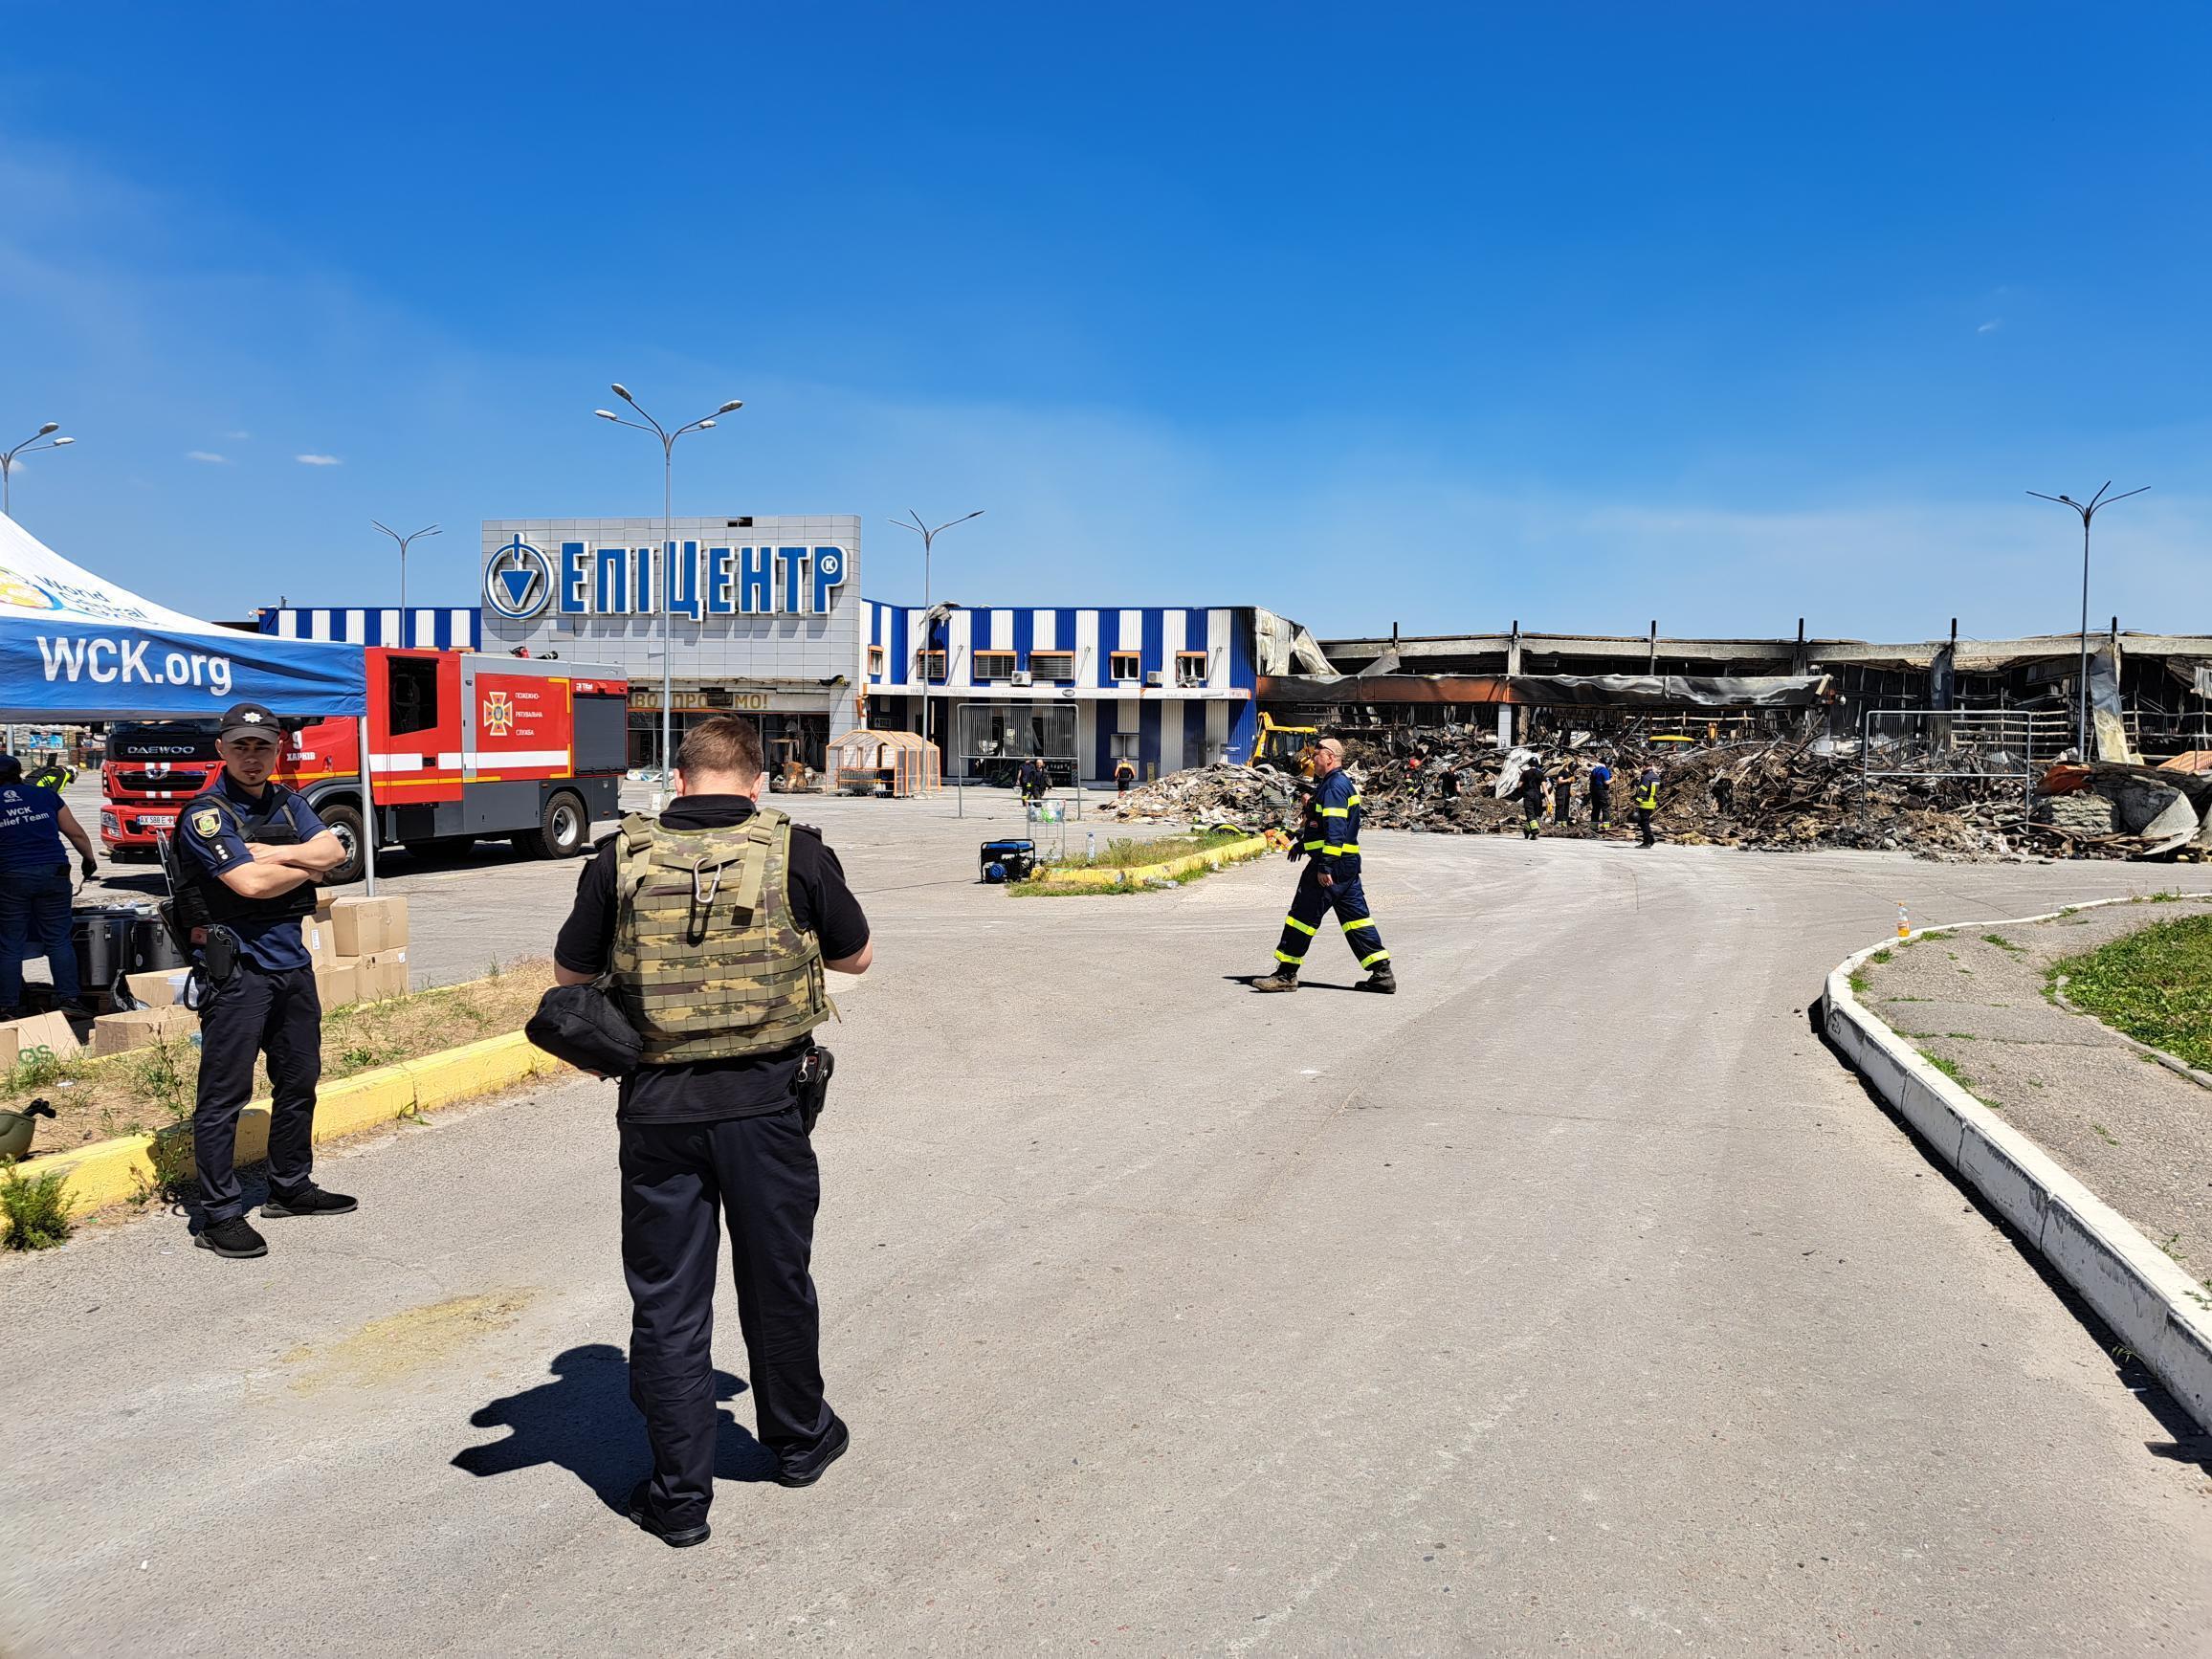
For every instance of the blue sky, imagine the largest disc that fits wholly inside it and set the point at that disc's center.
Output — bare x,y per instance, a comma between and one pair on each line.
1581,314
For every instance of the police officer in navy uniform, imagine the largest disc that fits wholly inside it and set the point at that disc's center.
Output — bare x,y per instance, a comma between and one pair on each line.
712,1126
250,854
34,886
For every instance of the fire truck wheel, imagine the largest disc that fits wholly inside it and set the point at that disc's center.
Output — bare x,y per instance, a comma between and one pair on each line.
344,822
563,832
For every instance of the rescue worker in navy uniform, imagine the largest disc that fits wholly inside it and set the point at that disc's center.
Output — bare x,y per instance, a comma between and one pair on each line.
1329,840
1646,800
34,887
249,852
717,919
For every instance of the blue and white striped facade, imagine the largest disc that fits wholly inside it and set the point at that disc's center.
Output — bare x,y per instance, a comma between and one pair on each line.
1170,686
457,627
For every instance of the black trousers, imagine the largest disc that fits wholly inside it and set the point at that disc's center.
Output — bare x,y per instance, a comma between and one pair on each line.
1643,823
1600,807
681,1181
1312,901
258,1012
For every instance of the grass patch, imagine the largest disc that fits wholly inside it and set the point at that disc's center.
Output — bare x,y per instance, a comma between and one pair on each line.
37,1210
2105,1135
1127,852
149,1089
2002,943
2155,985
1858,984
1881,956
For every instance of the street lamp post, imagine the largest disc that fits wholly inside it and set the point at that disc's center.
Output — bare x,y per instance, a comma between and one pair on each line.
2088,510
666,534
928,542
403,540
30,446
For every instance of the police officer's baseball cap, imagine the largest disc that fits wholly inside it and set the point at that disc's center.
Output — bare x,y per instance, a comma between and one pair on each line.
10,769
251,720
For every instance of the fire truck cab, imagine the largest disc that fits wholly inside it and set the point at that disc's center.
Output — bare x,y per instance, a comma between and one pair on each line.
463,746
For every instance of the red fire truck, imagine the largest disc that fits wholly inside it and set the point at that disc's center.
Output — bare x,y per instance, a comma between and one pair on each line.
464,747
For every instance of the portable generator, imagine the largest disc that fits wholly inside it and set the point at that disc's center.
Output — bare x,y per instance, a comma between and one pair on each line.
1008,860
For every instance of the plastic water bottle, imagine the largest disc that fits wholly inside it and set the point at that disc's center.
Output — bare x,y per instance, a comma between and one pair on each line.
1904,926
1091,844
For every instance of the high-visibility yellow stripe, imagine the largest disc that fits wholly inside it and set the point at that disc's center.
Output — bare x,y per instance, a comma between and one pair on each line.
1354,800
1294,921
1371,961
1341,846
1286,956
1316,846
1335,811
1355,926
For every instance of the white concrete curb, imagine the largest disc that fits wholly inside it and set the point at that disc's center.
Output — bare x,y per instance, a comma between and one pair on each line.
2158,1310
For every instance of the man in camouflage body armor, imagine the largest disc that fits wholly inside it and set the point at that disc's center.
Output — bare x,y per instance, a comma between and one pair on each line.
715,922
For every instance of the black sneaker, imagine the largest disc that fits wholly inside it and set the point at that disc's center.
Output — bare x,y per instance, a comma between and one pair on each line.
314,1200
676,1537
235,1238
808,1470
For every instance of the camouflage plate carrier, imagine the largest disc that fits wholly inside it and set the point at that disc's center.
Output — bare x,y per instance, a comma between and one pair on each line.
708,963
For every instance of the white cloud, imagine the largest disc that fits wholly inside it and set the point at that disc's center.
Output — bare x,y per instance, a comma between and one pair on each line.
208,455
1991,326
319,460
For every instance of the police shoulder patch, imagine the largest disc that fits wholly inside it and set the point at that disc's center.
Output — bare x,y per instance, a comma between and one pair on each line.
206,823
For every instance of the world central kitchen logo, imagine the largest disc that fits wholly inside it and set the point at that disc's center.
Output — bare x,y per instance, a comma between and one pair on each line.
521,582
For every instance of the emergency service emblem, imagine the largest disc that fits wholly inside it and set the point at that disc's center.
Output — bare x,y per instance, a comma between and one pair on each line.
499,714
205,823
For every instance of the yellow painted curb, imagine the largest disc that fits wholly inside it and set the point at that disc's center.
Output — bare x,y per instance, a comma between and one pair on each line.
110,1171
1213,858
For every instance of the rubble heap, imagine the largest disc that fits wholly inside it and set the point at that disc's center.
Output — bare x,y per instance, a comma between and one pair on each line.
1776,793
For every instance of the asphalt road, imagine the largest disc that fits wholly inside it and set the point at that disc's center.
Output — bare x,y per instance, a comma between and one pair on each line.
1574,1298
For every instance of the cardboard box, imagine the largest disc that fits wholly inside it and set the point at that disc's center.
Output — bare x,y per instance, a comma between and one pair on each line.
7,1048
383,974
320,934
367,926
44,1034
158,990
338,985
141,1029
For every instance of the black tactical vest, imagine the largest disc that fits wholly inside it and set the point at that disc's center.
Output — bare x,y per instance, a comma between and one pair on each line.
203,896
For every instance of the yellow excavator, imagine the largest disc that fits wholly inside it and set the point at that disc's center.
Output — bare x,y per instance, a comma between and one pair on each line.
1286,748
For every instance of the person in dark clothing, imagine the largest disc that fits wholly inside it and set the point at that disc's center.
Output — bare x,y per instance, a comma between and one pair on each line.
34,886
711,1126
1532,799
1646,800
1034,780
1563,795
1601,795
1125,775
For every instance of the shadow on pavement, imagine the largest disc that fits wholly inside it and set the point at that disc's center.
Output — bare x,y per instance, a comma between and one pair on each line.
582,1421
1304,983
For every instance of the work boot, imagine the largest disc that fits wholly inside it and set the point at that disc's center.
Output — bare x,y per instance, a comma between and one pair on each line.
1381,980
309,1201
640,1510
234,1239
1283,979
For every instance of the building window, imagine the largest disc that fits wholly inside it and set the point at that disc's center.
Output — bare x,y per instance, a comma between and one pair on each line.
1053,664
932,666
875,661
994,664
1125,665
1190,668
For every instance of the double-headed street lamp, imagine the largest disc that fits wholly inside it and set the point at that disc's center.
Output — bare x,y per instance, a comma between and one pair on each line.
403,540
646,424
2088,510
30,446
928,541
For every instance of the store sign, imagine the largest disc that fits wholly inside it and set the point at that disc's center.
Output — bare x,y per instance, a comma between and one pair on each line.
523,582
720,698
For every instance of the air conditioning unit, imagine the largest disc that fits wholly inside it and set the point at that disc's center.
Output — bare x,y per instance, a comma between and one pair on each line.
1152,679
1021,678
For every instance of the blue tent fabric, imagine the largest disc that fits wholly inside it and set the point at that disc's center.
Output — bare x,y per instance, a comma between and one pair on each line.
73,645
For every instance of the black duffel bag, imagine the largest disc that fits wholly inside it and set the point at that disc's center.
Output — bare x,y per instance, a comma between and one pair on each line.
585,1027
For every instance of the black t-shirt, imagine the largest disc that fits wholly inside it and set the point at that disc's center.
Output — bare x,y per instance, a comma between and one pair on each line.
705,1090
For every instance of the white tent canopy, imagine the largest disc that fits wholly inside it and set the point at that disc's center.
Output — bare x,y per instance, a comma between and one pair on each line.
75,646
